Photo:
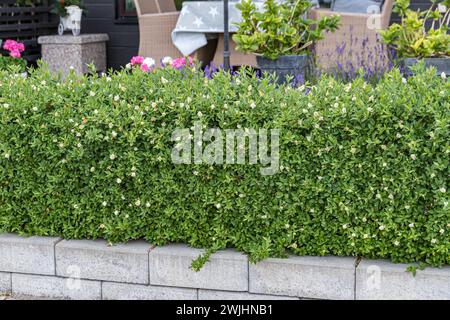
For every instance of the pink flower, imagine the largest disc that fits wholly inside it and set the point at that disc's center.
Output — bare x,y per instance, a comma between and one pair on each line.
15,54
11,45
181,62
20,47
145,67
138,60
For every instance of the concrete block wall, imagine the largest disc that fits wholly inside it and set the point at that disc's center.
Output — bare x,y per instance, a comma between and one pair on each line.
81,269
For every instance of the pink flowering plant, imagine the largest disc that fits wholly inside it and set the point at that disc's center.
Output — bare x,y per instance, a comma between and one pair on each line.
182,62
148,64
145,64
15,50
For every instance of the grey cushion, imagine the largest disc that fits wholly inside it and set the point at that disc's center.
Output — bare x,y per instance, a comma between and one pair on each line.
357,6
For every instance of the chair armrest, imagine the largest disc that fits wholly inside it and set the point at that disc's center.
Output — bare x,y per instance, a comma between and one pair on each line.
165,15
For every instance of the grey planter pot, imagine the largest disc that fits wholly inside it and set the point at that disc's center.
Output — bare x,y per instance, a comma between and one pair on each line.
296,66
441,65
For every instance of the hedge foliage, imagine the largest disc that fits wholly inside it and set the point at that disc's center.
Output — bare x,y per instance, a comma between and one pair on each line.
364,168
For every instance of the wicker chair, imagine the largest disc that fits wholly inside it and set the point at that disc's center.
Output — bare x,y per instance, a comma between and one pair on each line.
354,40
157,19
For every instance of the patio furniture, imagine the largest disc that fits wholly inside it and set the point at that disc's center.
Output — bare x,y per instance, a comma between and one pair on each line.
201,21
157,19
66,52
356,41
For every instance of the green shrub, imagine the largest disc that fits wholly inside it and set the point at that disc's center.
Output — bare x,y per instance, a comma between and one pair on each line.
17,65
280,29
364,169
413,37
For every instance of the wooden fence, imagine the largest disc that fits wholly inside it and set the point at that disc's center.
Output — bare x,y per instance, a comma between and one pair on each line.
26,23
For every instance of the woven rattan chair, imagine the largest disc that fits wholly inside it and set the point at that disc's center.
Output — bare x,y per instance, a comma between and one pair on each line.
157,19
357,39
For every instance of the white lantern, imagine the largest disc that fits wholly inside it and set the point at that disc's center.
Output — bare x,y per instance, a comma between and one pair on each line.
72,21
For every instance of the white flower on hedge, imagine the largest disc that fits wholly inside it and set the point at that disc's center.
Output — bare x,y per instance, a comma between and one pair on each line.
364,219
443,190
411,225
164,80
114,134
75,206
119,181
167,60
413,156
116,98
116,212
137,203
95,111
35,109
112,156
378,196
396,243
133,174
344,110
381,228
433,241
7,155
108,79
369,109
79,145
344,226
218,205
365,236
443,76
441,231
92,93
104,203
391,196
404,80
147,204
398,135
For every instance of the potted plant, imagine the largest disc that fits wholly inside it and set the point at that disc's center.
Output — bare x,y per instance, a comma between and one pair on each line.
70,12
421,35
281,35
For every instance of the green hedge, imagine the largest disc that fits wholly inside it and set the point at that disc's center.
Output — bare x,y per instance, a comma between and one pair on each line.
364,168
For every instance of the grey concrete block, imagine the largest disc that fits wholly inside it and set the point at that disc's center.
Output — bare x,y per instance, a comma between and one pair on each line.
27,255
170,265
305,277
55,287
64,52
380,279
96,260
230,295
124,291
5,282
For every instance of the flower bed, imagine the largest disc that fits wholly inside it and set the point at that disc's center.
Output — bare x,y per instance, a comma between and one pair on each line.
363,168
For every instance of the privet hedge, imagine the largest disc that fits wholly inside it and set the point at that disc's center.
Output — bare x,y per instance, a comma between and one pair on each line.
364,168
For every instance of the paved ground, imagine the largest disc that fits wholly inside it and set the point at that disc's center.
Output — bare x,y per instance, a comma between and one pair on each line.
20,297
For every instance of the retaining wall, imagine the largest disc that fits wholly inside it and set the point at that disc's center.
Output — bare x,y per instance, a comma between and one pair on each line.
81,269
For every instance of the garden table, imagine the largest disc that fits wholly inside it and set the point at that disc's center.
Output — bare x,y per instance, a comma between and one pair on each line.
200,21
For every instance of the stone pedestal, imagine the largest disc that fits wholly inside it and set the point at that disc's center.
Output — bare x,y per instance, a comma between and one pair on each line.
62,53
